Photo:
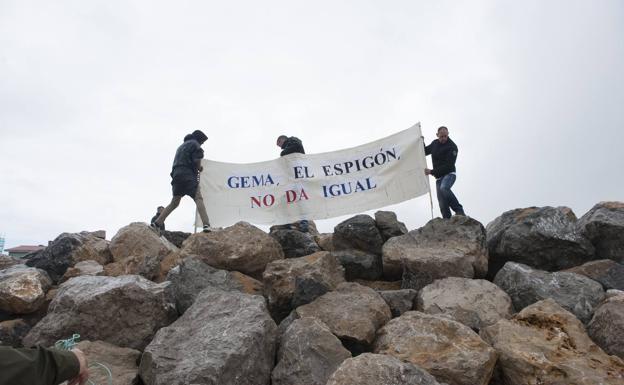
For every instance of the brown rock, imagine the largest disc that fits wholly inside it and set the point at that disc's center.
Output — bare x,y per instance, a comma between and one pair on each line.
380,285
23,289
139,240
289,283
324,241
241,247
447,349
545,344
122,362
352,312
608,273
83,268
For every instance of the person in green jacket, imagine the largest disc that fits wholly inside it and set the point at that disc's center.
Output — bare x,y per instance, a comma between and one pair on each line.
42,366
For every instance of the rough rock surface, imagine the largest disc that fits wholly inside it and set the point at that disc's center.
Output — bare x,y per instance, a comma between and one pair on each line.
607,272
147,266
359,232
308,354
123,362
295,243
192,276
442,248
225,338
325,241
352,312
67,250
399,301
380,285
175,237
6,262
380,369
139,240
388,225
447,349
603,225
545,344
359,264
474,302
545,238
12,332
125,311
607,326
241,247
83,268
289,283
525,285
23,289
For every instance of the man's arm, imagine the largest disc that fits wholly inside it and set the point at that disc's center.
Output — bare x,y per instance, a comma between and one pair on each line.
41,366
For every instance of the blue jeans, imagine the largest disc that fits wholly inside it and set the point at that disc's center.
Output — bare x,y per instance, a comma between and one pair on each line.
446,198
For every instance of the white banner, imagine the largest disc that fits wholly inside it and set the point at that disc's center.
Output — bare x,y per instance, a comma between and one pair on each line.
316,186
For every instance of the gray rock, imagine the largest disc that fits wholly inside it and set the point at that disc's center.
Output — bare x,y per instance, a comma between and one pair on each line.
192,276
442,248
525,285
359,232
447,349
399,301
309,353
83,268
545,238
609,273
613,293
352,312
6,262
12,332
23,289
67,250
476,303
122,362
289,283
607,326
603,225
389,225
125,311
295,243
359,264
225,338
380,369
545,344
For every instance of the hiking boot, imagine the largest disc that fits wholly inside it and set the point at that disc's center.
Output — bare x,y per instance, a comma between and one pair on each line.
207,229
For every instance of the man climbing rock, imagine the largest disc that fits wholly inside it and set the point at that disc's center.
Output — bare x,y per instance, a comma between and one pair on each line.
443,153
292,145
185,178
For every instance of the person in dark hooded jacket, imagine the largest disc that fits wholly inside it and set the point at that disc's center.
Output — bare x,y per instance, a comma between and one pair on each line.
185,178
292,145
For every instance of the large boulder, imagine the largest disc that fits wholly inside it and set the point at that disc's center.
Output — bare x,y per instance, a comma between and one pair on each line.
192,276
388,225
359,232
603,225
122,362
289,283
442,248
447,349
308,354
135,243
352,312
380,369
474,302
225,338
125,311
607,326
545,344
241,247
295,243
83,268
13,331
23,289
545,238
399,301
67,250
575,293
607,272
359,264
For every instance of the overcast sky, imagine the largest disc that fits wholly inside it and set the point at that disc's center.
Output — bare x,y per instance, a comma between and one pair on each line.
95,96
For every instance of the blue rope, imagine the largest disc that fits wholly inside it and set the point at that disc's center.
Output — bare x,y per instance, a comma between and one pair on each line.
70,343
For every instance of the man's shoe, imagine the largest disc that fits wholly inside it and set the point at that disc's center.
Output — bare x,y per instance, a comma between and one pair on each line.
207,229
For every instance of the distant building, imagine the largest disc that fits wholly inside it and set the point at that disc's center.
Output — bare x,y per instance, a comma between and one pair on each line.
21,251
1,244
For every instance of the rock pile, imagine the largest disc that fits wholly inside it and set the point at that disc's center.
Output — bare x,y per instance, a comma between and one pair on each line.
534,297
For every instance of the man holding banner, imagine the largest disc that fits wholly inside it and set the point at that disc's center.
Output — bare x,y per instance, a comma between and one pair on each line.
443,153
292,145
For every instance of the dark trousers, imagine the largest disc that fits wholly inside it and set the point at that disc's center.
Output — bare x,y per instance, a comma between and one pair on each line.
446,198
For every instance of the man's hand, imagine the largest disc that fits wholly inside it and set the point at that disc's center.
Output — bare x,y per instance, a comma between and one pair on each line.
428,171
83,375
